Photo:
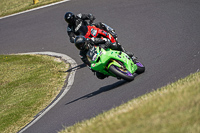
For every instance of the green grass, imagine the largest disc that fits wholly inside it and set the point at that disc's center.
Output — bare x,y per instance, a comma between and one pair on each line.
8,7
28,83
171,109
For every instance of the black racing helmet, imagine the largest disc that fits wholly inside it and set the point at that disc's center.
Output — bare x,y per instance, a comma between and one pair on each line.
80,43
69,18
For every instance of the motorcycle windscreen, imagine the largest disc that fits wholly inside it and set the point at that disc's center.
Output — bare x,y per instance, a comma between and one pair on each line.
92,54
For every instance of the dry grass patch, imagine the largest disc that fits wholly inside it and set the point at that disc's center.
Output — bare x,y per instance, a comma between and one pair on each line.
28,83
8,7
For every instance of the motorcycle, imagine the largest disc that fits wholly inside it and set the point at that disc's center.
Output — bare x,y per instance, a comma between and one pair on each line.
93,31
114,63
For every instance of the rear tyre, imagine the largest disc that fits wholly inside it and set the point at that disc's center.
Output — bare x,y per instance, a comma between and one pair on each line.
124,74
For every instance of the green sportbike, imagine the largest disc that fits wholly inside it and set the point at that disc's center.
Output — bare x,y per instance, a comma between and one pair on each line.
114,63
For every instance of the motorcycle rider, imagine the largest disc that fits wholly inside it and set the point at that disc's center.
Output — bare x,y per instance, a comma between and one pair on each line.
77,25
84,45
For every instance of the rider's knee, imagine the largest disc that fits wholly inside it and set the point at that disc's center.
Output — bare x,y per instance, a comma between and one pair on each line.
100,75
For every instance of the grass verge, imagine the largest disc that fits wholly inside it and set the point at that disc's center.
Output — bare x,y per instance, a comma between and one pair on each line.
28,84
8,7
171,109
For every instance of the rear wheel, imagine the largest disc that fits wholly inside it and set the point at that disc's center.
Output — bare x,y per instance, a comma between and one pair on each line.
121,73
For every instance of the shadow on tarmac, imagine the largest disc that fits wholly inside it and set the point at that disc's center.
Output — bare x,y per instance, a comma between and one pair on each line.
101,90
75,68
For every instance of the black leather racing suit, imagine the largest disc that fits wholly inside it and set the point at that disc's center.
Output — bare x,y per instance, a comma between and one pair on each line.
97,42
80,26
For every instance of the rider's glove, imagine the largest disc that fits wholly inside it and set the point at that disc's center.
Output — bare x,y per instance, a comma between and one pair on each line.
90,41
92,18
112,32
106,39
107,45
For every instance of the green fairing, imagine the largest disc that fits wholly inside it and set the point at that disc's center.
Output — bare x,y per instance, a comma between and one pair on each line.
102,59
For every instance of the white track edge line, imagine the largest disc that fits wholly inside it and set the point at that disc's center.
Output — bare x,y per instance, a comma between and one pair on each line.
66,89
34,9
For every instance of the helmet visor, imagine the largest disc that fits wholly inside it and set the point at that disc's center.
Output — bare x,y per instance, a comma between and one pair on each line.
69,18
82,46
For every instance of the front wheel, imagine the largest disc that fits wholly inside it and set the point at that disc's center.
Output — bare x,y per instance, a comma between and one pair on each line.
140,68
121,73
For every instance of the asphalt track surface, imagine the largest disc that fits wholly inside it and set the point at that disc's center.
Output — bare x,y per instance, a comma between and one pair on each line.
164,34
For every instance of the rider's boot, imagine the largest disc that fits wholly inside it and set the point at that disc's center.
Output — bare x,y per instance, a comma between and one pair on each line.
109,29
113,33
117,46
130,54
100,75
134,59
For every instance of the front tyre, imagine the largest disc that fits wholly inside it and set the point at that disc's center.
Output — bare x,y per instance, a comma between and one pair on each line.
140,68
120,73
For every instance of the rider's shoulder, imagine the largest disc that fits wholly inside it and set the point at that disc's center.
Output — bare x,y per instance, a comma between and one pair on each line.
83,16
79,15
